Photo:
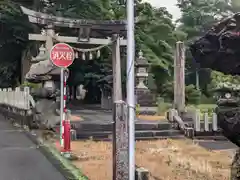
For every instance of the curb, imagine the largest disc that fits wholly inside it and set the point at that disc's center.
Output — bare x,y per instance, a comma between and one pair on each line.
69,171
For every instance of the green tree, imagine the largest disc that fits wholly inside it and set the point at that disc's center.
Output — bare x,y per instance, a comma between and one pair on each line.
157,47
156,36
14,29
197,17
235,6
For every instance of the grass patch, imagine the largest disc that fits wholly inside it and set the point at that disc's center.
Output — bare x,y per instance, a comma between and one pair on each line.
204,108
151,118
209,108
163,108
165,159
67,165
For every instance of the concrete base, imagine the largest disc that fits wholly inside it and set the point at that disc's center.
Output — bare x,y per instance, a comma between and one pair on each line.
145,97
189,132
73,135
69,156
141,174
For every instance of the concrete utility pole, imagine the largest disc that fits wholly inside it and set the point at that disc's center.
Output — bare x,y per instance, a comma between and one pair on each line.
179,77
131,86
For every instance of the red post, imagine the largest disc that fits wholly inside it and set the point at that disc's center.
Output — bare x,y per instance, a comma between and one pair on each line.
67,137
66,120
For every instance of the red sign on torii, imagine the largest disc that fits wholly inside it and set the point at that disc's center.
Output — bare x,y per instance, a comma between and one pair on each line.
62,55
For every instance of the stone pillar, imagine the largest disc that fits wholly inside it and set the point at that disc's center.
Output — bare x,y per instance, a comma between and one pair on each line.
179,77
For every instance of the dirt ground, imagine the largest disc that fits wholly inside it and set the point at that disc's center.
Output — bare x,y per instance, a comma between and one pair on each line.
165,160
151,118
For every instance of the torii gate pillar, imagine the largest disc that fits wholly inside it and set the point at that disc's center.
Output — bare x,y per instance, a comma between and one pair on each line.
116,66
179,77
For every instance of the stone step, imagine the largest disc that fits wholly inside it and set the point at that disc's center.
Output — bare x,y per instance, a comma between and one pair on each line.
178,136
109,126
217,145
141,138
216,138
138,134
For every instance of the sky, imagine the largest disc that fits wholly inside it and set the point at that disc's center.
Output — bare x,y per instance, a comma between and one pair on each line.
169,4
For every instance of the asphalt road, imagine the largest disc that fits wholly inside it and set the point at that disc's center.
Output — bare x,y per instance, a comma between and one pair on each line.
20,159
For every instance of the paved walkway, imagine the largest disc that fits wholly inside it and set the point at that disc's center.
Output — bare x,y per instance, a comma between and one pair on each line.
20,159
216,145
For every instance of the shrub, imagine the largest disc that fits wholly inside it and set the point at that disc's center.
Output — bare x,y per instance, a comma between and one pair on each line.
162,107
207,100
30,85
193,95
137,109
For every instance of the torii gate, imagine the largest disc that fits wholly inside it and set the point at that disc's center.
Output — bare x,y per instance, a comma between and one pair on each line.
90,33
86,28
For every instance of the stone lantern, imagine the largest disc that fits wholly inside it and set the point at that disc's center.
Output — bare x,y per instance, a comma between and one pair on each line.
144,97
41,56
141,71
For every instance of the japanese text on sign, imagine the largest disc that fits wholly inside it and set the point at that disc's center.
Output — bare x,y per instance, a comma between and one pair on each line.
62,55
